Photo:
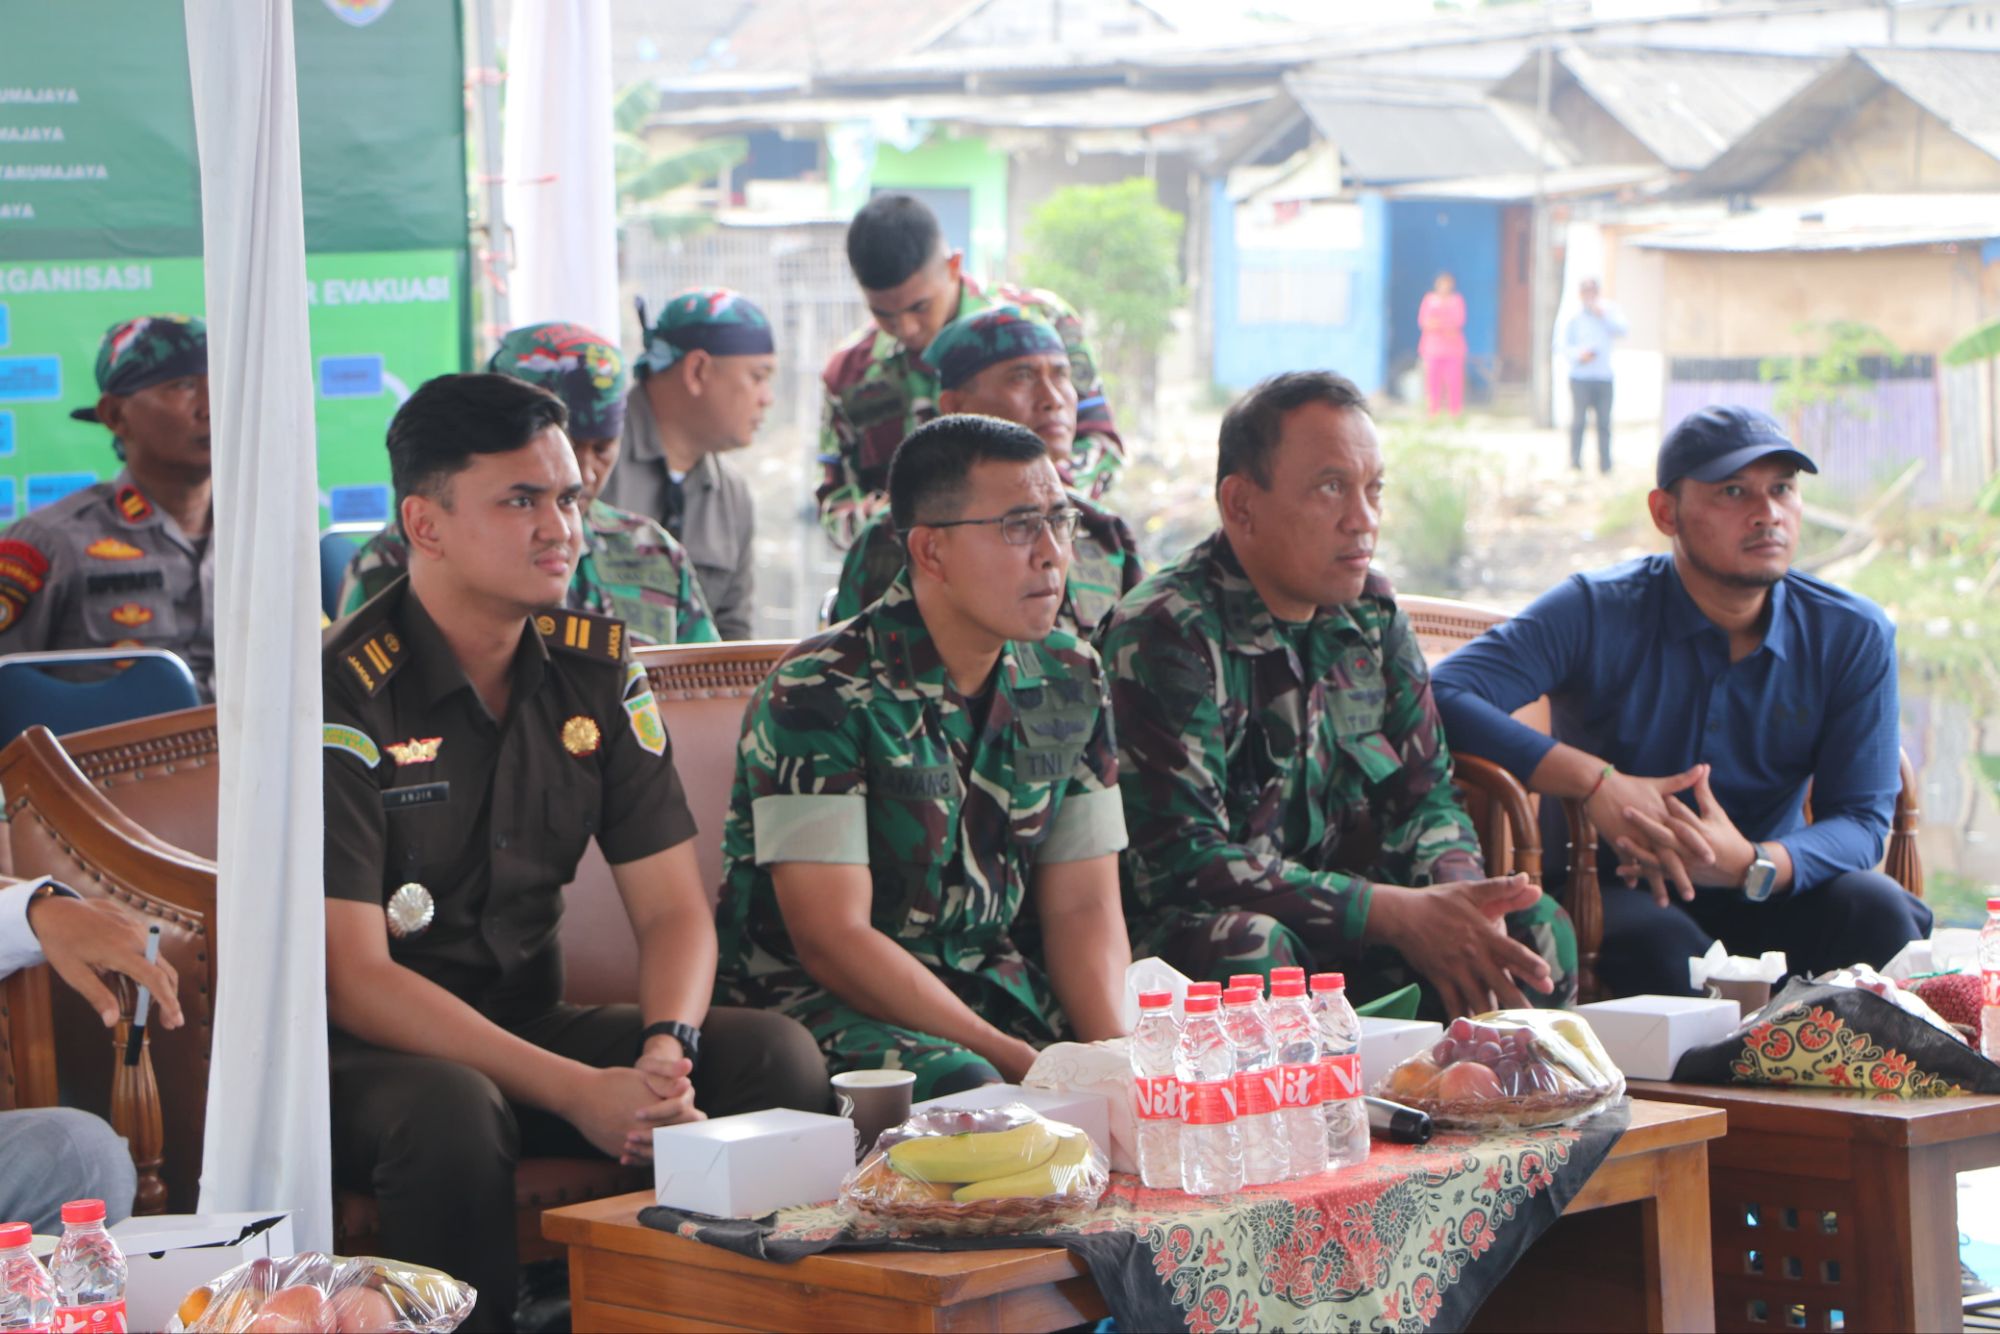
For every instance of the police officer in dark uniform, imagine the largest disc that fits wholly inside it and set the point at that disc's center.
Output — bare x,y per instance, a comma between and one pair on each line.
477,737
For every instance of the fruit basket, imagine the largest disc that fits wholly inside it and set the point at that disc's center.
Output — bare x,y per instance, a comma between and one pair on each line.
963,1172
1508,1068
315,1291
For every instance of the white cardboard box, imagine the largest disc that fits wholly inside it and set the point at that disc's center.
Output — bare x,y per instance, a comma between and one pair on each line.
1087,1111
745,1166
1646,1036
167,1256
1387,1043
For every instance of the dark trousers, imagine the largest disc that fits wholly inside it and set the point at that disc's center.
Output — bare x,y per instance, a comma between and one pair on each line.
1590,396
436,1142
1860,917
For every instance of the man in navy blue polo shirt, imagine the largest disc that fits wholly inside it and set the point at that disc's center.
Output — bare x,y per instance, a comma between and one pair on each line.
1695,698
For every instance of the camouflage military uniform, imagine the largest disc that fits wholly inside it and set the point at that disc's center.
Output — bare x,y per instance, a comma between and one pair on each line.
630,569
877,392
1262,808
858,750
1104,566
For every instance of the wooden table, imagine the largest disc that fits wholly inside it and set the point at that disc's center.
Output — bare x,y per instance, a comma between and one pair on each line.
1825,1202
624,1276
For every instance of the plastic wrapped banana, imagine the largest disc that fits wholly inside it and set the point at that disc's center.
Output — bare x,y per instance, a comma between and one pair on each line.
969,1172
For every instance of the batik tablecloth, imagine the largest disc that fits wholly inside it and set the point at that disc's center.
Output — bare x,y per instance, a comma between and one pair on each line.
1412,1240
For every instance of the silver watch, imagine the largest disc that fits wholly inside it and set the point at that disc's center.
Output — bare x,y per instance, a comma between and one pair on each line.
1762,876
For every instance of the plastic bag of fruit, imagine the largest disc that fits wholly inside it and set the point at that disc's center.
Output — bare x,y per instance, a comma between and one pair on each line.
962,1171
312,1291
1509,1068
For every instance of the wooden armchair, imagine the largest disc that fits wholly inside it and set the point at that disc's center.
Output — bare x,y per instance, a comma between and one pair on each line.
1442,625
59,825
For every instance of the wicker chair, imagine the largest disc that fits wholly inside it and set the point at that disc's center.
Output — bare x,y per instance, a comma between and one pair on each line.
1442,625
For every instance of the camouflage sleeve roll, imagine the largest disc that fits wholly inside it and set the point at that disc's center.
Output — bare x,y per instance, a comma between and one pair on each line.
1184,856
1427,838
800,760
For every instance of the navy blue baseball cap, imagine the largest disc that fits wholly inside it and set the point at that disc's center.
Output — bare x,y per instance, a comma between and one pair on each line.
1711,444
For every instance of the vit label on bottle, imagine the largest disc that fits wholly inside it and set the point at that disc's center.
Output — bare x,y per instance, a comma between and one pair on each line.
1339,1077
1212,1104
1257,1091
1297,1086
1156,1098
97,1318
1990,980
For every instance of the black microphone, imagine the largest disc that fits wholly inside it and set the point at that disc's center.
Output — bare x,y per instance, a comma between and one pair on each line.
1396,1123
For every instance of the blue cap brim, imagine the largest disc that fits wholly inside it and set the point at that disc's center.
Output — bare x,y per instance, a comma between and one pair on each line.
1717,469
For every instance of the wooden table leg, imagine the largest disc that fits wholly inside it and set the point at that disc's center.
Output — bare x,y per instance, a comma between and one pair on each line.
1679,1275
1910,1199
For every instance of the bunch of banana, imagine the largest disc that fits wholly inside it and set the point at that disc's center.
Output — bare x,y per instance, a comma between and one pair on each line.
1033,1159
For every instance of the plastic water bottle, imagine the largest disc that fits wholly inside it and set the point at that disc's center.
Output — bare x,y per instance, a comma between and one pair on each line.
1205,1066
1300,1116
1201,989
1156,1093
1989,982
89,1273
1266,1156
27,1298
1240,981
1339,1083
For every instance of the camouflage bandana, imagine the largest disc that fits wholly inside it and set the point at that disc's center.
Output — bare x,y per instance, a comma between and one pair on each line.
585,371
152,349
971,343
716,320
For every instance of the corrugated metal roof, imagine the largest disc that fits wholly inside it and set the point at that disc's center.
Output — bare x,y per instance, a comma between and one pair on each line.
1088,109
1850,222
1959,87
1686,106
1389,132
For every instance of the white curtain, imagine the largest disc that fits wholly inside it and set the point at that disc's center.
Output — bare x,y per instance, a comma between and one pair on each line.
561,186
268,1144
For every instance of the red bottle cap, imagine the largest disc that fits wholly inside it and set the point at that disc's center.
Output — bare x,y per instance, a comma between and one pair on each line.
1240,996
1993,905
1329,982
1285,988
83,1211
15,1234
1155,1000
1255,981
1202,1004
1287,973
1205,989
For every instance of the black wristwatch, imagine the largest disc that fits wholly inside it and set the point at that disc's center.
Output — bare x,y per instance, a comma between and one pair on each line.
686,1034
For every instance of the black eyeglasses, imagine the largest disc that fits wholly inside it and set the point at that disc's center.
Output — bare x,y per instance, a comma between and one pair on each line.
1024,527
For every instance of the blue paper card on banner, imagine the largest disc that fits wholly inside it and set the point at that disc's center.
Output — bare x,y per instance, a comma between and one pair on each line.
49,487
9,509
6,331
359,504
6,434
30,379
350,377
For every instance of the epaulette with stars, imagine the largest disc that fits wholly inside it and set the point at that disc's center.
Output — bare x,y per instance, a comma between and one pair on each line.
600,638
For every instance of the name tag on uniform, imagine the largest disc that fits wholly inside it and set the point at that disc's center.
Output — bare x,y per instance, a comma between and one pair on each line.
133,581
914,782
423,794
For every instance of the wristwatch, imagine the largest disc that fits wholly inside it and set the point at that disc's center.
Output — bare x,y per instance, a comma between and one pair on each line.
686,1034
1762,876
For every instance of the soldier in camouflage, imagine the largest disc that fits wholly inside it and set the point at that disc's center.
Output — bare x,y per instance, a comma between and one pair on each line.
1287,783
631,568
879,386
913,784
1004,363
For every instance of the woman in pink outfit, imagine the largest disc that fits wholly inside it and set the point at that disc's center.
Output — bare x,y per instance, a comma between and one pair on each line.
1442,347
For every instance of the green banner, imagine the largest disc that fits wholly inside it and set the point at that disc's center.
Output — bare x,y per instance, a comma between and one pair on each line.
100,220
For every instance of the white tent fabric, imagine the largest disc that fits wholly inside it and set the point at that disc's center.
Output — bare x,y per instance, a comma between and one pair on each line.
561,186
268,1140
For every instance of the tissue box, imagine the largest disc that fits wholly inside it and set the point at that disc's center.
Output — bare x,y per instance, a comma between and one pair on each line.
1088,1112
1647,1035
1386,1043
746,1166
167,1256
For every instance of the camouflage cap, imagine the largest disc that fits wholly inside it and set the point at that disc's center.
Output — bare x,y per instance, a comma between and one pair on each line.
152,349
716,320
584,370
971,343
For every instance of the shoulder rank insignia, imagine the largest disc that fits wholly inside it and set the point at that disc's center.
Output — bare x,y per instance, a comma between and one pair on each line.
133,505
110,548
374,660
417,750
600,637
358,744
131,615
